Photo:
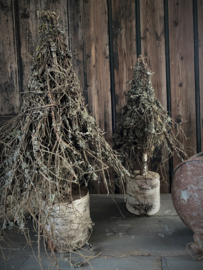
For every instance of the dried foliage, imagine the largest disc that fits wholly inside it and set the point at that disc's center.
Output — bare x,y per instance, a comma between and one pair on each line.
53,143
144,126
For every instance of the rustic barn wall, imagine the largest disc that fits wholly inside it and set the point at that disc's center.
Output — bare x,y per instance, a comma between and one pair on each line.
105,37
199,73
9,76
124,47
181,38
153,49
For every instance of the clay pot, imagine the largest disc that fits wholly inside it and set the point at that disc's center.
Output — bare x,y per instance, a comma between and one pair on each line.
70,224
143,194
187,195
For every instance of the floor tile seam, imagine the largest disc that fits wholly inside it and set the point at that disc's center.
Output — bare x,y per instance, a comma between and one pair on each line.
164,264
19,263
113,233
164,216
144,255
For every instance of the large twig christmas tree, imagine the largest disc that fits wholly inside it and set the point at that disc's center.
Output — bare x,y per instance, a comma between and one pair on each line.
53,143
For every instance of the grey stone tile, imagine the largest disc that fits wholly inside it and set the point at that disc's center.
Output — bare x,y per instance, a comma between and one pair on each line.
12,263
181,263
101,263
164,235
114,236
167,208
138,245
141,226
15,239
106,202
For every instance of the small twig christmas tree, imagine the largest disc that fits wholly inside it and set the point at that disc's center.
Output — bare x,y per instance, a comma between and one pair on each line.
145,130
53,143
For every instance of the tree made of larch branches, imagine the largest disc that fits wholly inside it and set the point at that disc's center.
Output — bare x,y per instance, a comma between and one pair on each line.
53,143
144,126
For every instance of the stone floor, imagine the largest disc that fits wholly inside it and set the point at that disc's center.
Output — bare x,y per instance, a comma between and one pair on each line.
122,242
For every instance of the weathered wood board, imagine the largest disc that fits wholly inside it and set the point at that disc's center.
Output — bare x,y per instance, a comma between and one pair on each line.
76,35
182,71
9,76
153,50
153,44
28,28
96,57
200,38
124,47
96,67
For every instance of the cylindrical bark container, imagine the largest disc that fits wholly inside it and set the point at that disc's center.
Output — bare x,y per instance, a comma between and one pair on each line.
143,194
70,225
187,195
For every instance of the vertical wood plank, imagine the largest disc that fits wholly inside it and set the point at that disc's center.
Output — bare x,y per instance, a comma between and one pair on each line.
96,59
28,23
153,49
76,32
200,35
153,44
96,67
181,41
9,81
124,47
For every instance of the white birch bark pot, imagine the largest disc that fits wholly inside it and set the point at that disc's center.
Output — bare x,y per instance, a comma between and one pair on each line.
70,225
143,194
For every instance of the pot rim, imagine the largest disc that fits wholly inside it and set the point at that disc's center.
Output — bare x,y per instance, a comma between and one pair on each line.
186,162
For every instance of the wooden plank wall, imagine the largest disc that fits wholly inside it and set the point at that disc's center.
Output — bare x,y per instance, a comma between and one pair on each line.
200,54
105,37
182,70
9,76
124,47
153,49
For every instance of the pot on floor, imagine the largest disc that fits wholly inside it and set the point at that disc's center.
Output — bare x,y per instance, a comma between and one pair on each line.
70,225
187,195
143,194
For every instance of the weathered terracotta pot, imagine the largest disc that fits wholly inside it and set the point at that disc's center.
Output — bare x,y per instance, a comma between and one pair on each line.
187,195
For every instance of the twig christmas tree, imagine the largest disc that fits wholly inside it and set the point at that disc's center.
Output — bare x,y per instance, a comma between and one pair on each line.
145,130
53,143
